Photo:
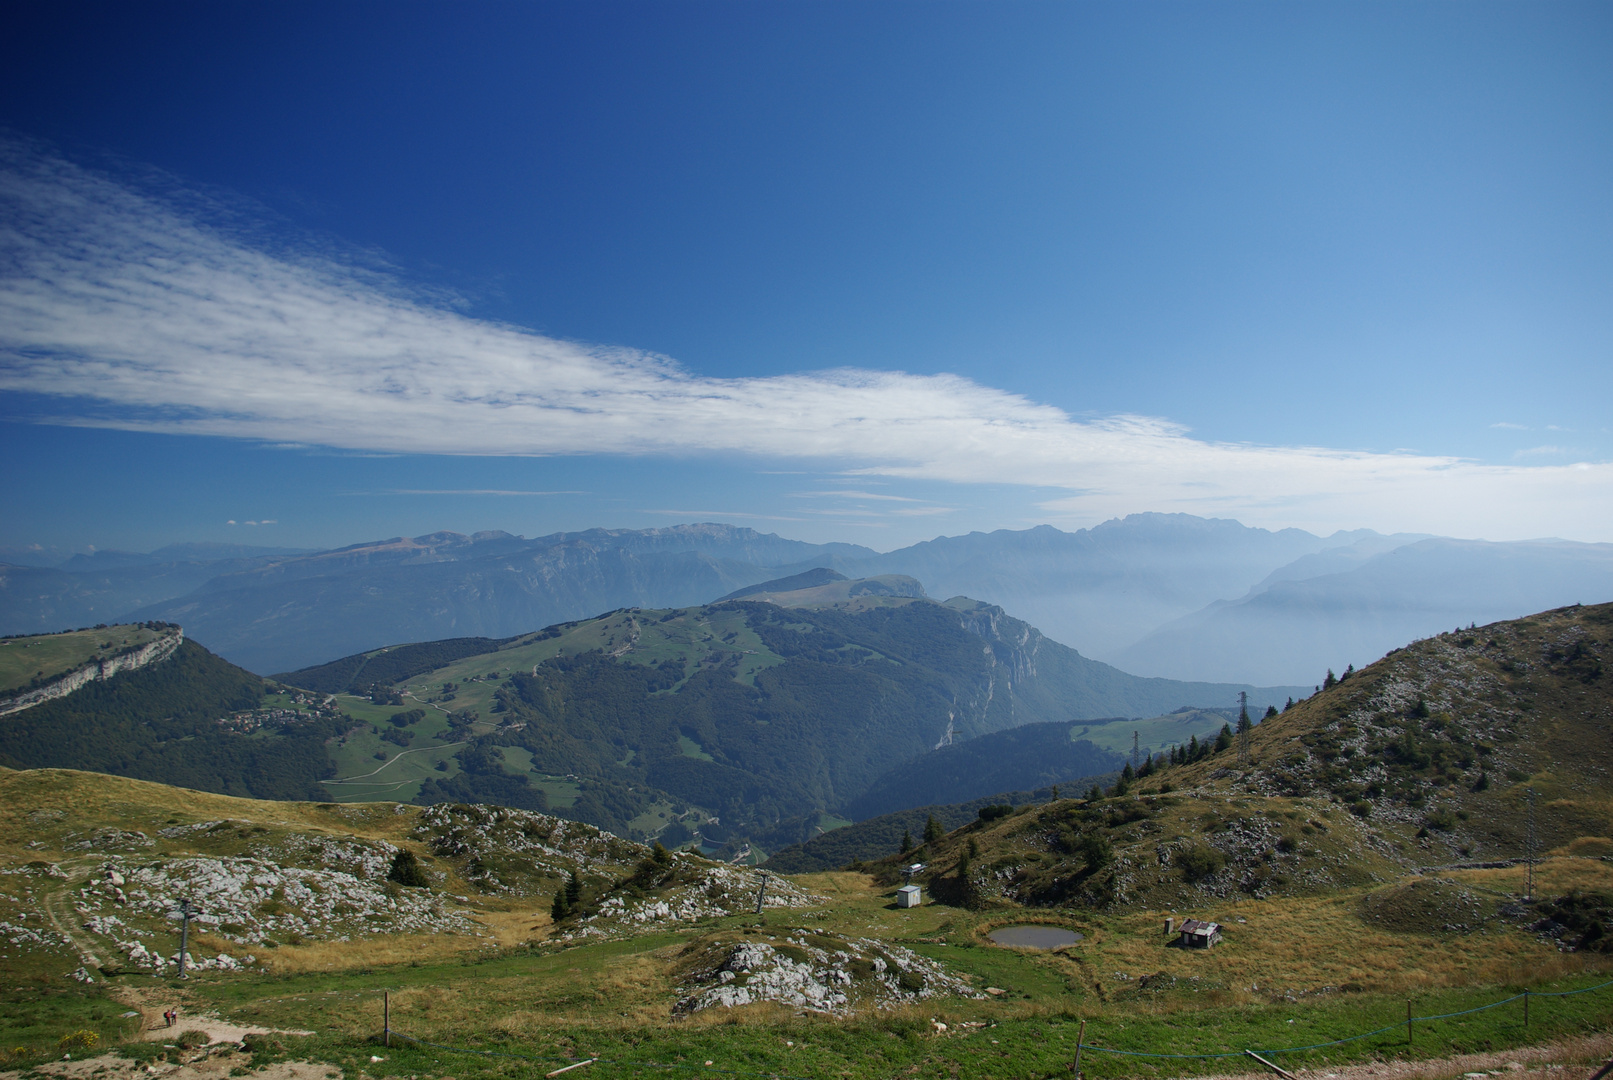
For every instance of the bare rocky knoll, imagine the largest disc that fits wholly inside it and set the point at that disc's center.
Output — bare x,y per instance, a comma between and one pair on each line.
94,867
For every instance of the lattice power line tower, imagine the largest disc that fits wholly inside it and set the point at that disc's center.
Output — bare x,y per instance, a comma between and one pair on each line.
1529,851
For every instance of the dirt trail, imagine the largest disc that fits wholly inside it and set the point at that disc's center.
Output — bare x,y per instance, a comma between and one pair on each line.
1569,1059
58,911
214,1066
218,1031
389,762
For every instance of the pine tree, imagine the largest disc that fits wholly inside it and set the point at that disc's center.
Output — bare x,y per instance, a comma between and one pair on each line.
573,892
1126,774
907,841
933,830
1223,738
1331,681
1271,711
1290,705
1095,795
406,870
559,909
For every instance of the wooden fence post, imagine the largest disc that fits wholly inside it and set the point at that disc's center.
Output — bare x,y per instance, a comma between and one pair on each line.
1526,1008
386,1017
1408,1021
1278,1069
1079,1039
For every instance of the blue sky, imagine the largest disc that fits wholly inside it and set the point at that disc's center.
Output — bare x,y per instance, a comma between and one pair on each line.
872,272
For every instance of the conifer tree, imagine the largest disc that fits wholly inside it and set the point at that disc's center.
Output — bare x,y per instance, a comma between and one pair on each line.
907,841
406,870
932,830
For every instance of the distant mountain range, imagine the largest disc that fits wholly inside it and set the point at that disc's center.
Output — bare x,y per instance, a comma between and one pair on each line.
1352,605
1159,594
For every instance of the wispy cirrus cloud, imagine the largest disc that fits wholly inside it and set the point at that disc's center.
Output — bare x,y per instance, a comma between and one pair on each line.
119,310
852,494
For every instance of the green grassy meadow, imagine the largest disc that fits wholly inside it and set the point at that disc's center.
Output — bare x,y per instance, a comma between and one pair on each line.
45,656
1154,734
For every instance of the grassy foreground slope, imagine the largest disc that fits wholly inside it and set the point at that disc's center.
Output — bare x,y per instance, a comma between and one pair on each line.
473,959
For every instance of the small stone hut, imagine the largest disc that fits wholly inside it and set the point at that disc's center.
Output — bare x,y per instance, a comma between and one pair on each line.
1198,934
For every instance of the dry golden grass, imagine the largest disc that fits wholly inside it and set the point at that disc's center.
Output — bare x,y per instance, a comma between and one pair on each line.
1293,944
1586,847
1553,876
44,804
369,952
626,991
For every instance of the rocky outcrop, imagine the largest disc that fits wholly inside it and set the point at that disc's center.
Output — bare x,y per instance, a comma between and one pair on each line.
149,653
811,970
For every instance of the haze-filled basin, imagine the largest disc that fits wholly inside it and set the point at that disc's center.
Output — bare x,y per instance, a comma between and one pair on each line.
1034,937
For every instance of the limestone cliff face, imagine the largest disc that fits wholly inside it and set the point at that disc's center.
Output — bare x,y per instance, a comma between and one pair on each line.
149,653
1009,649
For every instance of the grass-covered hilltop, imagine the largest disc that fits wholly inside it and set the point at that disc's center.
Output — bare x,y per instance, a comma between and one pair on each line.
1367,847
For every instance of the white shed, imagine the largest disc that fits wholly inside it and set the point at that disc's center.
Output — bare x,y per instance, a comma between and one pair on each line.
909,896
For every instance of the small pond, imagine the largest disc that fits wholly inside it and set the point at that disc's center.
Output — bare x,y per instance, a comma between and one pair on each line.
1034,937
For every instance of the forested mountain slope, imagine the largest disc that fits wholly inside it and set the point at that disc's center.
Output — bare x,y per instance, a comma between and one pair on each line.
162,722
761,715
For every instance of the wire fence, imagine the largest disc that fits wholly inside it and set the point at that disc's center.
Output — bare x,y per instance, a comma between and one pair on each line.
574,1062
1527,994
1081,1046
